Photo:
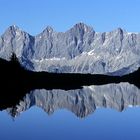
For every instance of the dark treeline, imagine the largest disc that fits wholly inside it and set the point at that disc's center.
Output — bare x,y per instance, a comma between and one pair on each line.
16,81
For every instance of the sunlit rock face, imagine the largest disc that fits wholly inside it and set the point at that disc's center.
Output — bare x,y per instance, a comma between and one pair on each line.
81,102
78,50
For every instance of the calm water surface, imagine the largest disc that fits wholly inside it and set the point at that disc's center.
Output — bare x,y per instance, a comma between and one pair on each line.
103,124
108,112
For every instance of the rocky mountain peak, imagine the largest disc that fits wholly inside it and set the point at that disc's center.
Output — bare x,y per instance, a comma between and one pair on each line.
48,29
81,27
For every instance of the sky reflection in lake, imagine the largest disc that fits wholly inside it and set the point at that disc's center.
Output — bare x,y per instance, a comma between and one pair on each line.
103,124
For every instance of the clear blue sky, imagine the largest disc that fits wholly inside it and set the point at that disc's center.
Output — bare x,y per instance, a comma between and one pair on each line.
103,15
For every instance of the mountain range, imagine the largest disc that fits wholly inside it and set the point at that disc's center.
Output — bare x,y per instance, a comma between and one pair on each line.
78,50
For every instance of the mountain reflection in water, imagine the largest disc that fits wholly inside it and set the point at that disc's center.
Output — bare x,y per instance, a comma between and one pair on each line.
22,89
81,102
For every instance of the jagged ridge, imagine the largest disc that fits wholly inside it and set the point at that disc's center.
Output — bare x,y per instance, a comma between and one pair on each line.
78,50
